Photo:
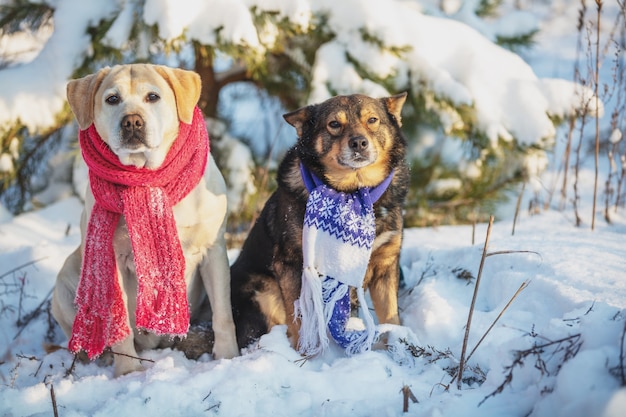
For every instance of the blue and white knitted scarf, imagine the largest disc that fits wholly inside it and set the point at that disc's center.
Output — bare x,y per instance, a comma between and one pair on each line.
338,233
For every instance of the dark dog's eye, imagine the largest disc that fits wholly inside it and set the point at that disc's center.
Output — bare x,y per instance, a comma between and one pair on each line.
113,99
372,120
152,97
334,124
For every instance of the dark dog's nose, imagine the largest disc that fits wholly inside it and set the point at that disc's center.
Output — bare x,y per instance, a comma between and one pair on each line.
358,143
132,122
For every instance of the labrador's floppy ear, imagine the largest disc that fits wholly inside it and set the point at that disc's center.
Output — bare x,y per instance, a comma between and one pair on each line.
186,86
81,94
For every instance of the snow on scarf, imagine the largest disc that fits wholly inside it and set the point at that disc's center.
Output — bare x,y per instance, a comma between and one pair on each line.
145,198
338,233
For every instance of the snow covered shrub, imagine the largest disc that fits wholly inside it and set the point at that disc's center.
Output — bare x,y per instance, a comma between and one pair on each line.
475,114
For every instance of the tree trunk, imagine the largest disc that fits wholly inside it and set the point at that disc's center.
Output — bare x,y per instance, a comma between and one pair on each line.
212,82
204,67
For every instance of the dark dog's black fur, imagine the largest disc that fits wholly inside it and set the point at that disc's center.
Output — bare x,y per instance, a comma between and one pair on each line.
348,142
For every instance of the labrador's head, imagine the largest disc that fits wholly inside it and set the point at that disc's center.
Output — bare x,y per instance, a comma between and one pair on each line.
136,108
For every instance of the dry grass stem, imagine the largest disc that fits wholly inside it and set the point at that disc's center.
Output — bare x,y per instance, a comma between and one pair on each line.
508,252
519,290
17,268
621,357
32,315
72,366
132,357
517,206
566,156
407,395
54,401
471,310
567,347
596,88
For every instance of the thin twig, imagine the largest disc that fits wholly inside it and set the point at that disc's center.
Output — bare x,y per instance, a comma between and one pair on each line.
473,230
507,252
132,357
565,161
524,285
570,351
72,366
33,314
519,290
517,206
17,268
407,394
54,401
471,311
597,150
621,357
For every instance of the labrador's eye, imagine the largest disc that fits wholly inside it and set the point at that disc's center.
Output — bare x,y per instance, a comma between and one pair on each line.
113,99
334,124
152,97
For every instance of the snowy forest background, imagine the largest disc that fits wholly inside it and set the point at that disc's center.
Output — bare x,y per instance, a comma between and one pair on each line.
479,120
516,108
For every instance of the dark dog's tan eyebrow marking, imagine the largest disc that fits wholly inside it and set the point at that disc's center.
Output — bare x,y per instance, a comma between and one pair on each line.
339,116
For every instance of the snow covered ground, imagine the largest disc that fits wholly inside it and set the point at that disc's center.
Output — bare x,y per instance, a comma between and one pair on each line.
576,292
555,351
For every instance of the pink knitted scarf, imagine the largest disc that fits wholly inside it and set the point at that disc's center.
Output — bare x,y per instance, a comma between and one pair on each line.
145,198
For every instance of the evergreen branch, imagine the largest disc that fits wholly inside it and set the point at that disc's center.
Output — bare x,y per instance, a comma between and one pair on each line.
22,15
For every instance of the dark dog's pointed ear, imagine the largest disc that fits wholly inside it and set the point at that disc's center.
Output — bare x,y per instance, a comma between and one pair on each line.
297,118
394,106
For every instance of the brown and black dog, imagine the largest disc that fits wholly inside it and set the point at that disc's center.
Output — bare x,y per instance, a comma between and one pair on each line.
349,142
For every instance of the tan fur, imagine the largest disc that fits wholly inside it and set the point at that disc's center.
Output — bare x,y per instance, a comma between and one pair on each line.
384,296
346,178
272,306
200,216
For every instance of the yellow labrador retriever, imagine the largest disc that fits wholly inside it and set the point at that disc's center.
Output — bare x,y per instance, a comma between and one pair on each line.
139,112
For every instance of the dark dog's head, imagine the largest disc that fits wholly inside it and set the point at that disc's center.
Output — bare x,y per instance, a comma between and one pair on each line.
350,141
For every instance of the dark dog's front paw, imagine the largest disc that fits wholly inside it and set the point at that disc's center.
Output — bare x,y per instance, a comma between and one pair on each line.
200,339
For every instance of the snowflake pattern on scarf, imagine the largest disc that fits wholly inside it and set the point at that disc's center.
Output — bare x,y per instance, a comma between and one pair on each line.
337,237
342,215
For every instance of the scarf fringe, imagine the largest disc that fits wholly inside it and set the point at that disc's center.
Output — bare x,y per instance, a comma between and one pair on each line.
309,308
332,292
366,337
352,341
318,299
101,318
